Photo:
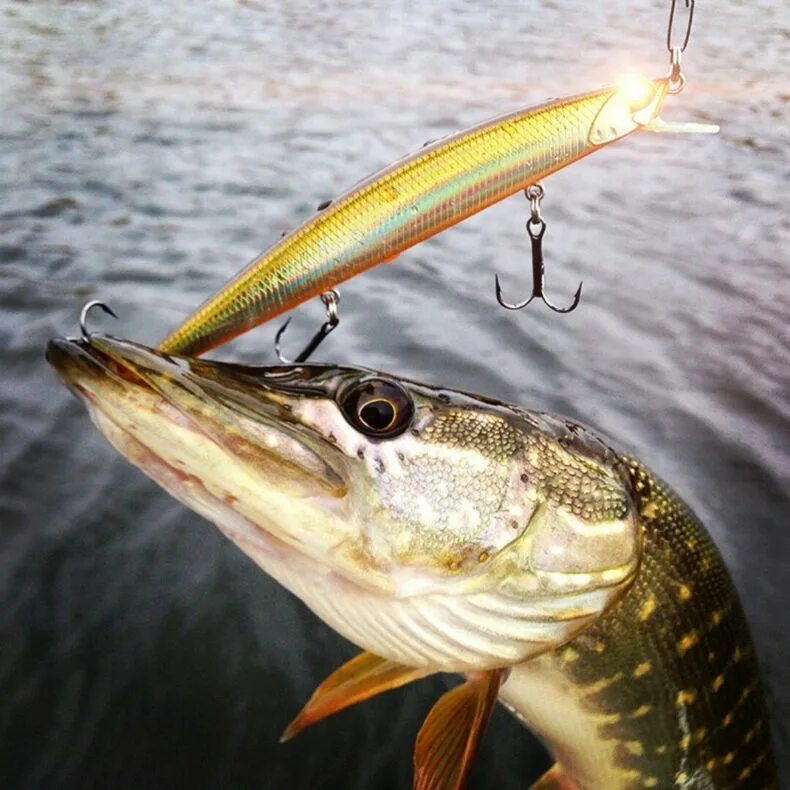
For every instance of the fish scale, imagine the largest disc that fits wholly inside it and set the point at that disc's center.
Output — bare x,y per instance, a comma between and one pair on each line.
666,684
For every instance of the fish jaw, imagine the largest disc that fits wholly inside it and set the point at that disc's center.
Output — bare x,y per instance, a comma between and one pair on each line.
202,440
444,547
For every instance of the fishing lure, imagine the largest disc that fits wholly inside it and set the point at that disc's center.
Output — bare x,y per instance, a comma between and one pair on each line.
419,196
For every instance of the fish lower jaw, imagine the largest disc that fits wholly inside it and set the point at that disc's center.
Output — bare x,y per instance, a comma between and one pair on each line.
189,490
204,475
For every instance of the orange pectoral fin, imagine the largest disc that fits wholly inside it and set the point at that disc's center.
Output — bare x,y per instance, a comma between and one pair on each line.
449,738
554,779
363,677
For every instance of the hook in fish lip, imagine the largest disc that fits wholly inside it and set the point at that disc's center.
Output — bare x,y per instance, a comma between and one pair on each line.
74,359
84,316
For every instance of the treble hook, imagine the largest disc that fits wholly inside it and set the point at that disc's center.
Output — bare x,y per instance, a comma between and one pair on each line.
536,227
330,300
84,317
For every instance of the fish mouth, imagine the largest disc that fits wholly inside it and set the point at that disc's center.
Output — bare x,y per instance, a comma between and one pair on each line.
218,399
228,427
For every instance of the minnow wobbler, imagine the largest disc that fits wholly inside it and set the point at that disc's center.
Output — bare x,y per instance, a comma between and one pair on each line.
419,196
447,532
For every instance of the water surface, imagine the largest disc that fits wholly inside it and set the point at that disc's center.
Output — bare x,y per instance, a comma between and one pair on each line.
149,149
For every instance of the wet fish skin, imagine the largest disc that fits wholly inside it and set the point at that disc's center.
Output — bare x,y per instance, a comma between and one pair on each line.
663,690
628,651
413,199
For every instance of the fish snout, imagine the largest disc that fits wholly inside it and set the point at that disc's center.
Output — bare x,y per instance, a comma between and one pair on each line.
73,360
93,361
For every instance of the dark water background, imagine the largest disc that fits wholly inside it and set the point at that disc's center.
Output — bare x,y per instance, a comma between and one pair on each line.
149,149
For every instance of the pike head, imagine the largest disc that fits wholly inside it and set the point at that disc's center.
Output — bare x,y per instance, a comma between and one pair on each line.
436,529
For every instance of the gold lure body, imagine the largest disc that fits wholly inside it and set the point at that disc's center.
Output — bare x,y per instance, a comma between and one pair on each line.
418,197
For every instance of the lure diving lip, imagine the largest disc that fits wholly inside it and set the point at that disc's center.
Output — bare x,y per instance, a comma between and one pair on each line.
417,197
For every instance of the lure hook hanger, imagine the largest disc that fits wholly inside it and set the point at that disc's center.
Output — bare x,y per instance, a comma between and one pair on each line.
86,337
331,300
670,27
536,227
677,80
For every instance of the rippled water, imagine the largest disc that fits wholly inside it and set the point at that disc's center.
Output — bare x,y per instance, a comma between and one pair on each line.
149,149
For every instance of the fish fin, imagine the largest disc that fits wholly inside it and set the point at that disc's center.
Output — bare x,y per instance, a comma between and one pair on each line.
359,679
554,779
684,127
449,737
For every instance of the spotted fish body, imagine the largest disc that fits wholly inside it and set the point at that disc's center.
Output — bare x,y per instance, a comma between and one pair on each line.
413,199
446,532
662,691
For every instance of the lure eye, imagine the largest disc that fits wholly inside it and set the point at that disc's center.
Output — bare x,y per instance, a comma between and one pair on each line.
377,408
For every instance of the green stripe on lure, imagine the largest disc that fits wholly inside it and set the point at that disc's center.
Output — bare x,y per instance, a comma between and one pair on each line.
444,532
419,196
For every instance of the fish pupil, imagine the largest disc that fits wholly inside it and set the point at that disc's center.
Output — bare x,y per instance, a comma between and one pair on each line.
378,414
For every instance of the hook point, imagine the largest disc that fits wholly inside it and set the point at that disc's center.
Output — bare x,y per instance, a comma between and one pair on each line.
571,307
508,305
84,316
277,339
330,300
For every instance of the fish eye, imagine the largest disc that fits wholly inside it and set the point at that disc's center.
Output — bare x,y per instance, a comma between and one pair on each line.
377,408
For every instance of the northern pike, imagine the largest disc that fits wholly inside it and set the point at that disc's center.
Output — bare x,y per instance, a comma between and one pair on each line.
419,196
447,532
